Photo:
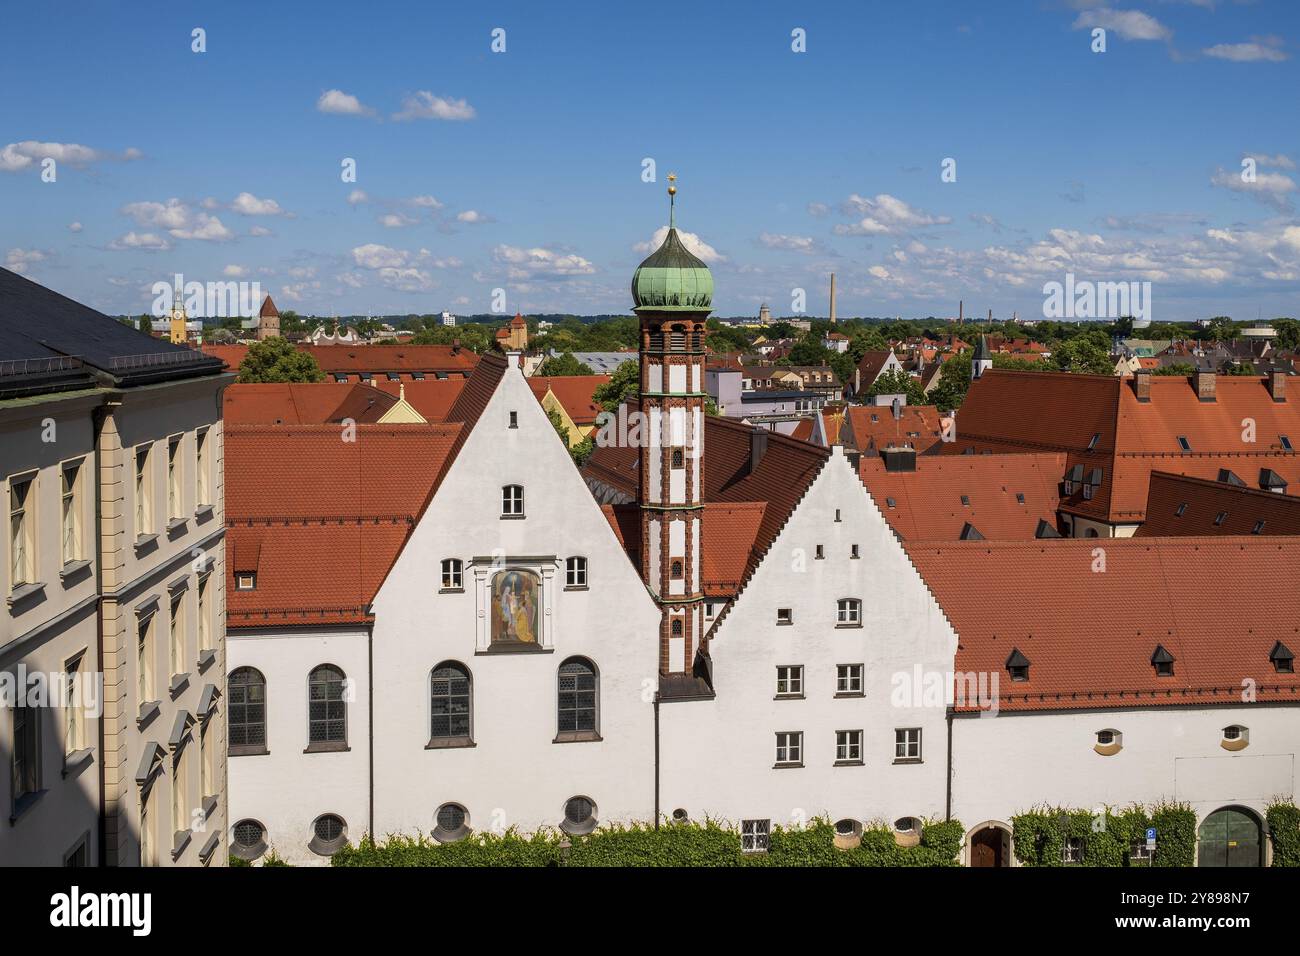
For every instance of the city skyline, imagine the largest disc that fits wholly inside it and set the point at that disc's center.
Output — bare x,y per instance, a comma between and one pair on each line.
524,169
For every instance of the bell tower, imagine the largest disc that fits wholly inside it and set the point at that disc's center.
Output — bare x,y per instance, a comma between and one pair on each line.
672,293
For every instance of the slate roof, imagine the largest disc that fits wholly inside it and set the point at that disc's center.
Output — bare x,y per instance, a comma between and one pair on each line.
50,343
1219,606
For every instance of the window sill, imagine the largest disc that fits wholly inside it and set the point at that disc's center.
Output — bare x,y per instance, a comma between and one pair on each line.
515,647
206,660
143,541
209,806
204,512
900,760
179,683
788,766
23,804
73,570
148,711
451,590
209,848
332,746
73,762
179,842
576,587
849,693
247,752
513,517
326,849
847,626
577,737
449,743
785,623
849,763
25,592
176,526
788,697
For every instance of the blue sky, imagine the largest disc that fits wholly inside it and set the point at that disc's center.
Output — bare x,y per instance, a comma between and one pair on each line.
522,170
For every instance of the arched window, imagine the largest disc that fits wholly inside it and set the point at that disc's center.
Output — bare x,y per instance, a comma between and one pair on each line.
450,705
246,690
327,714
576,700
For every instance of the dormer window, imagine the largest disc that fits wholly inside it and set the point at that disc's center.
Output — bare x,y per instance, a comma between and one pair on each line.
1163,662
1282,658
1018,665
245,580
965,501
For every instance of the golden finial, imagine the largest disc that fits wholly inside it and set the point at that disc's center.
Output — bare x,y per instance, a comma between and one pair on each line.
672,193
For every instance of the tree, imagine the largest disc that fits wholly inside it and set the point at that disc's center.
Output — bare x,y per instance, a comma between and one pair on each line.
1222,329
276,360
1085,355
564,364
144,325
1176,368
1288,334
898,382
623,385
954,380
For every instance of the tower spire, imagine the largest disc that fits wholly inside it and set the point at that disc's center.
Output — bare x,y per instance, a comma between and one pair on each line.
672,198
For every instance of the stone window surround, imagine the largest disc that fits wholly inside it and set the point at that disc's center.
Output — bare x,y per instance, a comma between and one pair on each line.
482,568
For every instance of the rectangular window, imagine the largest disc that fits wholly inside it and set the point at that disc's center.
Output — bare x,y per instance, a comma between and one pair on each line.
205,625
71,491
907,743
848,678
754,835
177,634
27,751
144,660
848,612
147,857
74,716
512,500
174,495
22,531
143,495
848,746
1183,443
789,748
789,681
245,581
1072,850
201,480
784,615
452,574
180,768
207,760
575,573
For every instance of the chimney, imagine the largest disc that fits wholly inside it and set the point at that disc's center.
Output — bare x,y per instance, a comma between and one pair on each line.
1142,384
832,298
1277,385
1204,385
455,346
757,447
898,458
960,304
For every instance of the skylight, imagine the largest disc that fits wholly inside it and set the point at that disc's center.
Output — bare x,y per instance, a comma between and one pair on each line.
1183,443
1093,443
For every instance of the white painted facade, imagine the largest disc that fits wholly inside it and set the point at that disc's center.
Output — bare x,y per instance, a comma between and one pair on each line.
515,774
719,756
287,788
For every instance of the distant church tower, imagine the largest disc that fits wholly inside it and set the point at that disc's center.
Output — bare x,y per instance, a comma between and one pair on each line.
672,295
982,361
176,321
268,320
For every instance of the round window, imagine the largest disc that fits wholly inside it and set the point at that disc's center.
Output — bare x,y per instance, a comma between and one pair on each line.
452,823
579,815
248,840
330,834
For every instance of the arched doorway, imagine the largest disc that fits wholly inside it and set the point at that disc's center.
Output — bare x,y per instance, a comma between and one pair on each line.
1230,836
990,845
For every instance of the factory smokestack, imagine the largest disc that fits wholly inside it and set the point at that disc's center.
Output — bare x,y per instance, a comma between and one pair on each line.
832,297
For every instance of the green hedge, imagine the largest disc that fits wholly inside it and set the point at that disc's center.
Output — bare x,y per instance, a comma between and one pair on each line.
1039,835
1284,830
673,844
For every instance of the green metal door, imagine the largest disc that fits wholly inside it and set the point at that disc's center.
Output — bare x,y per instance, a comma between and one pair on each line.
1228,838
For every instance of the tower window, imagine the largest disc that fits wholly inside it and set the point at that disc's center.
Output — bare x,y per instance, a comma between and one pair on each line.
677,629
676,569
679,460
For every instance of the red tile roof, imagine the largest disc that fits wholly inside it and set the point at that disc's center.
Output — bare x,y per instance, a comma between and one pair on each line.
874,426
1178,506
268,309
1089,635
927,503
573,392
320,402
374,359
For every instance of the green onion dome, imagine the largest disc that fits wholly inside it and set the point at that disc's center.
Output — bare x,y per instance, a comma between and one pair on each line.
672,279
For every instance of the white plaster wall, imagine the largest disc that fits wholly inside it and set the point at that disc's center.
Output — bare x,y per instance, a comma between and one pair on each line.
1003,765
515,774
287,789
718,755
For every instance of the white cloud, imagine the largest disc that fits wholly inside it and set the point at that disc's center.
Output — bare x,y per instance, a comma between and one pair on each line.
690,240
179,219
357,197
426,202
374,256
19,260
144,241
884,215
260,231
396,220
424,105
345,104
805,244
473,217
407,279
246,204
206,228
1127,24
818,209
16,157
1262,50
1280,161
539,263
75,227
234,272
1269,188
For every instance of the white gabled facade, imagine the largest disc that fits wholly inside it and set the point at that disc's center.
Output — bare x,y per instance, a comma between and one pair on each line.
517,768
720,756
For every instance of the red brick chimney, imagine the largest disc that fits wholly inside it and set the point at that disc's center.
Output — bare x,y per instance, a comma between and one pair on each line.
1204,385
1277,385
1142,385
